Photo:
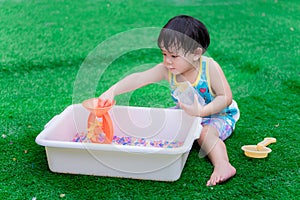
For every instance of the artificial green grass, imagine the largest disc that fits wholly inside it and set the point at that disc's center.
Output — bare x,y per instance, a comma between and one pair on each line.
43,45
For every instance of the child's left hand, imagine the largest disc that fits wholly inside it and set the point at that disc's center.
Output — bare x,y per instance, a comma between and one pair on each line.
193,109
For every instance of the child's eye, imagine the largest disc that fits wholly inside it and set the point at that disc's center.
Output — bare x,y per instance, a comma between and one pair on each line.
174,56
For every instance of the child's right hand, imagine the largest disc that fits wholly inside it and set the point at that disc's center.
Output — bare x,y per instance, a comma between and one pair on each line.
106,98
104,103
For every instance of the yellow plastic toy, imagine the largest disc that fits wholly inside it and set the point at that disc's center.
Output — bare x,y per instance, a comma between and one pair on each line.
260,150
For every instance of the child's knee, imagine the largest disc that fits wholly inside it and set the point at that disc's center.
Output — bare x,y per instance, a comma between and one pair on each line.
206,133
202,134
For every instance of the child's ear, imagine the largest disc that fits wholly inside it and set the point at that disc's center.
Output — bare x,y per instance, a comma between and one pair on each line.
197,54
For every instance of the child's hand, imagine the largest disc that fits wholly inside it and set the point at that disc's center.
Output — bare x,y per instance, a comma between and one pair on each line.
193,109
107,95
106,99
104,103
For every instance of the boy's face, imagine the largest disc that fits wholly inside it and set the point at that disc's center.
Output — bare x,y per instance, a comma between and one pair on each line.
178,62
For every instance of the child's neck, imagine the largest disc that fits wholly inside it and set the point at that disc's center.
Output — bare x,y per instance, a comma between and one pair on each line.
190,75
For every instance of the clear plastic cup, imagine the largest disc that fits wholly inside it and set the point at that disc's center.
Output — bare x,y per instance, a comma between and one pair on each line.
185,93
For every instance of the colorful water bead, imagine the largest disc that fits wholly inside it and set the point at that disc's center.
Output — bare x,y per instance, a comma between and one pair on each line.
133,141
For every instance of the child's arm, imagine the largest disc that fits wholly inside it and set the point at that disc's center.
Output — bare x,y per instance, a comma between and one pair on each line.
135,81
221,89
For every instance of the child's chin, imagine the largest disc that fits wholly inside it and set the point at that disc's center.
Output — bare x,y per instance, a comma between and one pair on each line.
173,71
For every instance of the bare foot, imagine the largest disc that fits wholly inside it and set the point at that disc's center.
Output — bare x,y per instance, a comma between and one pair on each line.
222,172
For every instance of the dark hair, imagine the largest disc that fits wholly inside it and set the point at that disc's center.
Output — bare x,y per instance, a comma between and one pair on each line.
184,32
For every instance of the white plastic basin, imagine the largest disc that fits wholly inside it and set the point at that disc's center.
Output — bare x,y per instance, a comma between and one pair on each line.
138,162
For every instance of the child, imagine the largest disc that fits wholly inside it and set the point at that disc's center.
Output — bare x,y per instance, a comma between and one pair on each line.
182,41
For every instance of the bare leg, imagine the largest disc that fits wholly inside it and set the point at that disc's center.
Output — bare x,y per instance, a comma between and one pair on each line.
215,148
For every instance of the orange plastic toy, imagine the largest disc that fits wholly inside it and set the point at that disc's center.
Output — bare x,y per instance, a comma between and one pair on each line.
100,127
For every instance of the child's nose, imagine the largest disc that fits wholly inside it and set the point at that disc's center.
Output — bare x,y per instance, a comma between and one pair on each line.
168,60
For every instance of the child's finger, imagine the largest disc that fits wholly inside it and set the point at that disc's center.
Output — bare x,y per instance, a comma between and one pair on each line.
104,103
107,103
181,105
101,102
195,99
